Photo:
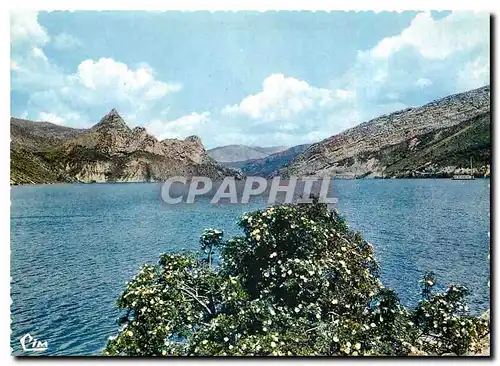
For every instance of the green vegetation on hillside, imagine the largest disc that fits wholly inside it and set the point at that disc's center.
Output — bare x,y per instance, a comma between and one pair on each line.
453,146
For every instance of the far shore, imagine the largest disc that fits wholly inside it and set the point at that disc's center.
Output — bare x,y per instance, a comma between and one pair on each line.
149,182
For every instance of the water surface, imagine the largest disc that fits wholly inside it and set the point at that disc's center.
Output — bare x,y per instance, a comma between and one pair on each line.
74,246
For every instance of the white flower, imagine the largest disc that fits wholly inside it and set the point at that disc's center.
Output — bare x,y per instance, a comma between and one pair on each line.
226,339
335,301
297,310
273,254
336,339
204,341
357,346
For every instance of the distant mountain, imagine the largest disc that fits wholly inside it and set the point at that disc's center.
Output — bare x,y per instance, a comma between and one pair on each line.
434,140
237,153
269,165
110,151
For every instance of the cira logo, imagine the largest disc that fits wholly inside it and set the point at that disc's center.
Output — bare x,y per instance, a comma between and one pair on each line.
31,344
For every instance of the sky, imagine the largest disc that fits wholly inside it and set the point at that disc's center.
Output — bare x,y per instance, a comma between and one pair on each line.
259,79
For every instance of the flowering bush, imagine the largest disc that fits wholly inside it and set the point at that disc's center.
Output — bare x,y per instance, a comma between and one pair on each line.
298,282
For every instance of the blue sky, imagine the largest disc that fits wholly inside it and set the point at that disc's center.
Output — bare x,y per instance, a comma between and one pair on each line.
275,78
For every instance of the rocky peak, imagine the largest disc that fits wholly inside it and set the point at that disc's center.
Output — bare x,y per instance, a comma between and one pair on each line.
112,121
194,139
139,130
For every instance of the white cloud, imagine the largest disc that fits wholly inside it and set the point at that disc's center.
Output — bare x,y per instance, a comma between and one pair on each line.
474,73
31,69
61,97
65,41
451,54
66,117
50,117
107,75
429,59
180,128
281,97
101,84
437,39
24,27
38,52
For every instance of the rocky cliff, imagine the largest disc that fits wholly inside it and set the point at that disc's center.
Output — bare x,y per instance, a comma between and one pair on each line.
109,151
436,139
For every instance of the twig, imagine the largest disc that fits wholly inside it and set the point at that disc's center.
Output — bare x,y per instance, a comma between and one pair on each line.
196,298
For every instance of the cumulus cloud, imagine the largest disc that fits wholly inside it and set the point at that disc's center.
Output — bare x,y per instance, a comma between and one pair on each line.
429,59
95,84
50,117
437,39
281,97
24,27
107,73
65,98
107,81
180,128
286,111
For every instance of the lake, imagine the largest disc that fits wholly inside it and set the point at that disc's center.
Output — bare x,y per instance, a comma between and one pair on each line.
73,246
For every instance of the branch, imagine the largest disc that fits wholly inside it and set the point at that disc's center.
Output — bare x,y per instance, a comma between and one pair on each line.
196,298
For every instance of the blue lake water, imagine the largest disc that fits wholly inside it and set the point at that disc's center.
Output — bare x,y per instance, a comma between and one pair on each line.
73,247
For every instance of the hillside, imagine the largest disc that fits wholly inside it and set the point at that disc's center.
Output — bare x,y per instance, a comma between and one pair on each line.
434,140
239,153
110,151
269,165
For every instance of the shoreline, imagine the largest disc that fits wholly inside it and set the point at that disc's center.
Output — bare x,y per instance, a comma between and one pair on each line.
149,182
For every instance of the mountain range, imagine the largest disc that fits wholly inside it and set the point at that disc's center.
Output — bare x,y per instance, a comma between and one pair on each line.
269,165
435,140
110,151
239,153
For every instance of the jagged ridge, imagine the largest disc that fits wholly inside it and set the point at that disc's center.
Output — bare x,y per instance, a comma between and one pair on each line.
109,151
